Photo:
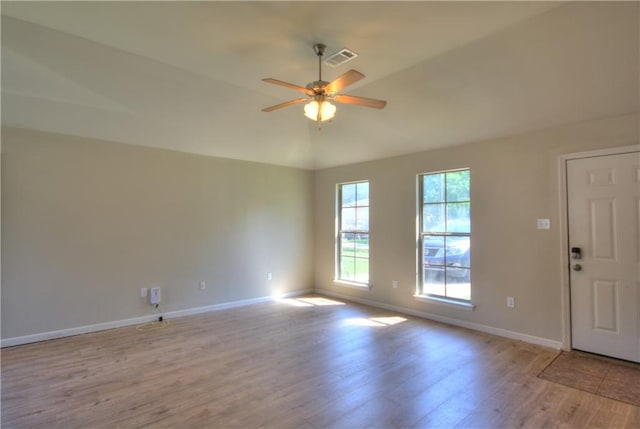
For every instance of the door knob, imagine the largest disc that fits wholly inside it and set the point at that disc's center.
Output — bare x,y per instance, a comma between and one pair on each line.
577,267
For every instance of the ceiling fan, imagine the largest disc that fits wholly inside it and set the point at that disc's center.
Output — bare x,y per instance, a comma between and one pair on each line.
320,93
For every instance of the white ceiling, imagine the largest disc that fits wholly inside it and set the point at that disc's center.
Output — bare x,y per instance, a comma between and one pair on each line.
187,75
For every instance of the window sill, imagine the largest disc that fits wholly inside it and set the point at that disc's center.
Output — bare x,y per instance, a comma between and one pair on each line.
448,302
354,285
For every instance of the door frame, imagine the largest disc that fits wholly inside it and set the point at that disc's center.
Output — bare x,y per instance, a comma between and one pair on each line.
565,279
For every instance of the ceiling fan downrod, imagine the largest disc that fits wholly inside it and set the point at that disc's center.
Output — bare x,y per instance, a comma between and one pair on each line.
319,49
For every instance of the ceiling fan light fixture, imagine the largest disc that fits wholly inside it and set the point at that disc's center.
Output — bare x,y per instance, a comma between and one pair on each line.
319,111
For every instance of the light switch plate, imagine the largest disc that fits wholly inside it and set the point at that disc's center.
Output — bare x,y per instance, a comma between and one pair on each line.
544,223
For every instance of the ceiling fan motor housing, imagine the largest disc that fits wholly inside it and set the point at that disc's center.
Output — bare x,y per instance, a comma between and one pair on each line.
319,49
317,86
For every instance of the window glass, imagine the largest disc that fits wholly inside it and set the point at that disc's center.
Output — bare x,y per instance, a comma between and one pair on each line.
352,259
445,235
457,186
348,219
349,195
433,186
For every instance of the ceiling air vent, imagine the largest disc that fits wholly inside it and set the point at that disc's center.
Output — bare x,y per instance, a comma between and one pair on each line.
340,57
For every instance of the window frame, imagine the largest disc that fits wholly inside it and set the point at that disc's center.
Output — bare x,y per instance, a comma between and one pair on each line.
421,293
338,236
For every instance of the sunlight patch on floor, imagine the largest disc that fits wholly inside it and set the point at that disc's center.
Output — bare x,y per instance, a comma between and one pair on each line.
309,301
294,302
374,321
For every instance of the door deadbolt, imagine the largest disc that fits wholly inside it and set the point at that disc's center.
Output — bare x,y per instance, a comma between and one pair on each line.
577,267
576,253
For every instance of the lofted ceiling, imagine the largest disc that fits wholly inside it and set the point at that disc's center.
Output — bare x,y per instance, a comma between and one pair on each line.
187,76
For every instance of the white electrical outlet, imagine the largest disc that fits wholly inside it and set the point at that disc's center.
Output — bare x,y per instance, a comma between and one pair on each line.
269,276
154,296
394,284
511,302
203,285
143,292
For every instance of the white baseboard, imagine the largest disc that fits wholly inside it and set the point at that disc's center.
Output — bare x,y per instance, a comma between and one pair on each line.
8,342
233,304
50,335
545,342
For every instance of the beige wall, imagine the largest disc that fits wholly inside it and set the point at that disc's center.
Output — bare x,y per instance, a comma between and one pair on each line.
514,181
86,224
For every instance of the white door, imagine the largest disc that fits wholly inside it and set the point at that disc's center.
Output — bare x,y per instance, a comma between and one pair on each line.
604,223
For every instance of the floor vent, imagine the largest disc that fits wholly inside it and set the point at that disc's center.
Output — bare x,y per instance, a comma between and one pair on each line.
342,56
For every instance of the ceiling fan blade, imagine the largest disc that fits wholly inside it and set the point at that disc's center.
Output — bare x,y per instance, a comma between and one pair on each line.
289,85
346,79
360,101
285,104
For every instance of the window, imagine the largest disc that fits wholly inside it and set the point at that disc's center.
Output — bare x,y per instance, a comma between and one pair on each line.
352,238
445,235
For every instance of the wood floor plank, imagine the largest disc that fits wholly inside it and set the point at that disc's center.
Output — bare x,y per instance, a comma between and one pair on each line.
308,363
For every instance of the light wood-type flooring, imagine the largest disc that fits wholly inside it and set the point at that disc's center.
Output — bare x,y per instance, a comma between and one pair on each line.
308,362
